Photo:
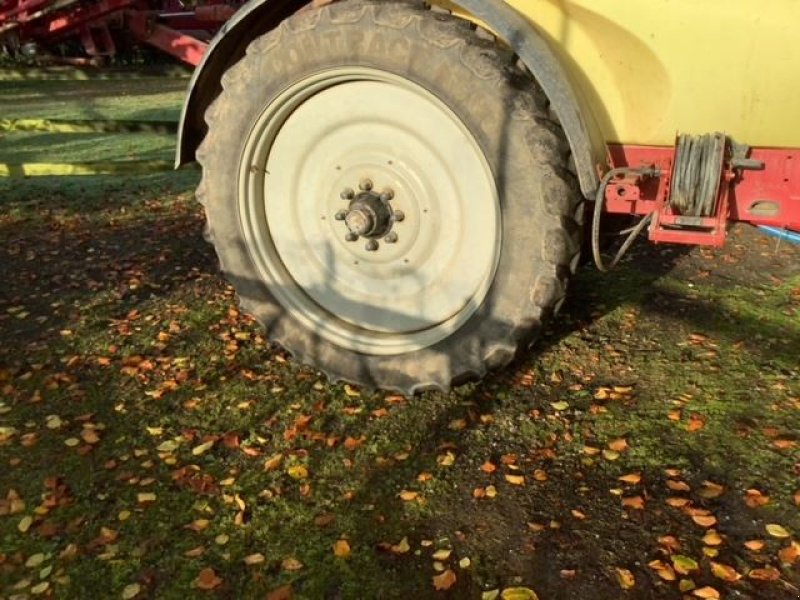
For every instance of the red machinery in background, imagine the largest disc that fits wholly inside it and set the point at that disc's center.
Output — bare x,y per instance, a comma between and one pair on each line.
104,27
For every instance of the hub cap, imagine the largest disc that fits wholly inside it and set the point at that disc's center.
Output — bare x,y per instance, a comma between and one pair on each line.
370,211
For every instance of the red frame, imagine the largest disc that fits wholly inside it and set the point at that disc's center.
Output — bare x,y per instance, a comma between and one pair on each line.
770,196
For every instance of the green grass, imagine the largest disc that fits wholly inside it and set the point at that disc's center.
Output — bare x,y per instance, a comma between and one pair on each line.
113,314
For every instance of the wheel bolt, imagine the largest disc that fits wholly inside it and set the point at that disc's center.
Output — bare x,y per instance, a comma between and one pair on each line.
372,246
365,184
351,237
387,195
341,215
348,194
391,238
399,216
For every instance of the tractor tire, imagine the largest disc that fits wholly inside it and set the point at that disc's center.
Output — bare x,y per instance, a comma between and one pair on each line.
388,197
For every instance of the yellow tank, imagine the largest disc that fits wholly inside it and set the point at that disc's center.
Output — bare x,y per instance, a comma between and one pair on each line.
645,70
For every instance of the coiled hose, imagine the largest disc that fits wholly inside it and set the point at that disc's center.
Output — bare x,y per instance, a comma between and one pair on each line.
599,203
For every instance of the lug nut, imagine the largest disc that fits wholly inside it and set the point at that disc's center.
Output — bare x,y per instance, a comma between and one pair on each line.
341,215
372,246
399,216
387,195
391,238
351,237
347,194
365,184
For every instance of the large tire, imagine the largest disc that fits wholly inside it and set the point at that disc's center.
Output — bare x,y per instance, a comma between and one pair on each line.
462,103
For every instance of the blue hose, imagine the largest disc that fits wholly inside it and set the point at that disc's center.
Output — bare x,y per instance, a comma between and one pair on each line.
783,234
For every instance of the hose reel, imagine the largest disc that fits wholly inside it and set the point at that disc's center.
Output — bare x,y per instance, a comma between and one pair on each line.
697,174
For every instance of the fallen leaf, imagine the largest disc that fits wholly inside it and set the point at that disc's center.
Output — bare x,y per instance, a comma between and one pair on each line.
254,559
402,547
663,570
518,593
755,499
273,463
25,524
618,445
282,593
707,593
444,581
515,479
130,591
207,579
789,554
633,503
765,574
704,521
625,579
710,490
632,478
203,448
297,472
754,545
408,496
712,538
488,467
341,548
145,497
560,405
291,564
683,564
678,486
777,531
724,572
442,554
198,525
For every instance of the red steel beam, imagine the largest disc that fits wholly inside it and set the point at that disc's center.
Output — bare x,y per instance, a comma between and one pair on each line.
184,47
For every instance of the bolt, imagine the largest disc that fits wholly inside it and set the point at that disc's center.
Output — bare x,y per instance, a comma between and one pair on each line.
399,216
341,215
391,238
372,246
347,194
351,237
387,195
365,184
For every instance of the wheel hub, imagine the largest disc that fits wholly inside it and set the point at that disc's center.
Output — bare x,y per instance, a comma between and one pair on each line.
370,216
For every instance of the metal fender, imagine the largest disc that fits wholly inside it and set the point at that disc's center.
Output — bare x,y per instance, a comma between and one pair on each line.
260,16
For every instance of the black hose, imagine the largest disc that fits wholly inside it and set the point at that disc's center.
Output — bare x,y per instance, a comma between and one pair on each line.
599,203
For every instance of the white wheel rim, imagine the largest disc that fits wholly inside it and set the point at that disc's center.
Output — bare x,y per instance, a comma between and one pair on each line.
331,131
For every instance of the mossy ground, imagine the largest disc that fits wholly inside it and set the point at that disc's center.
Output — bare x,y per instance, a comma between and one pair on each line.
123,354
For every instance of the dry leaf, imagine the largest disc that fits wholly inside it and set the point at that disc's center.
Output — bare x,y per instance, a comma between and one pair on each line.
341,548
442,554
130,591
207,579
618,445
625,579
444,581
254,559
704,521
632,478
282,593
777,531
712,538
755,499
408,496
683,564
707,592
678,486
789,554
724,572
402,547
488,467
634,503
515,479
291,564
754,545
765,574
518,593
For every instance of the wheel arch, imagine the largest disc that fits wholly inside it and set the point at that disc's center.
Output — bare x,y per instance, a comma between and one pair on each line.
260,16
